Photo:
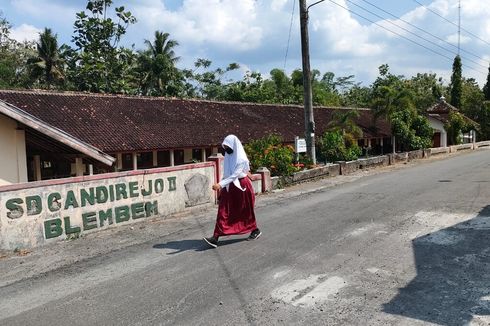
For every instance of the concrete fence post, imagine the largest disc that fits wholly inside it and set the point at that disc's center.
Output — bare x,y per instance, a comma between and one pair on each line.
218,160
342,167
266,179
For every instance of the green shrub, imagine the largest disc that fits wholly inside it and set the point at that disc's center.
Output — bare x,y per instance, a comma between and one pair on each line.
334,146
269,152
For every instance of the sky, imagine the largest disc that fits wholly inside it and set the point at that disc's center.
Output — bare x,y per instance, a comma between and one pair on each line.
347,37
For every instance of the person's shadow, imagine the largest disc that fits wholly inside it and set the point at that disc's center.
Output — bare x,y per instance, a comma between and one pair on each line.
452,284
196,245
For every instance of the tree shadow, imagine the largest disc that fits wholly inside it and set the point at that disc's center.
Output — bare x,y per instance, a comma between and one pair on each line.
196,245
453,275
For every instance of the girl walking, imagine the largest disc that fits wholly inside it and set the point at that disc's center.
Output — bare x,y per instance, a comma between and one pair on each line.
237,198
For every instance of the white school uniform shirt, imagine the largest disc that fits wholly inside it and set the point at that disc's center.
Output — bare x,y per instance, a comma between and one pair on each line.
236,165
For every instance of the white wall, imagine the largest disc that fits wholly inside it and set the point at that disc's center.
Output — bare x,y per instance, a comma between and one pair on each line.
13,162
53,210
439,126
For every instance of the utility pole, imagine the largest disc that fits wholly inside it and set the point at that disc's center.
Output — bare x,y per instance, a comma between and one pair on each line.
308,102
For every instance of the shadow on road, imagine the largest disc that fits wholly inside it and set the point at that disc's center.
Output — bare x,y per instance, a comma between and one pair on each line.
196,245
452,285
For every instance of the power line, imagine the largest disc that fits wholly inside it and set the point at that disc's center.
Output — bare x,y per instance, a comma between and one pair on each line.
289,36
422,30
447,20
398,34
410,32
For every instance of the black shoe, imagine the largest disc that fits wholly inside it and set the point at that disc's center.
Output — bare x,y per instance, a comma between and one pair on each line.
255,234
212,241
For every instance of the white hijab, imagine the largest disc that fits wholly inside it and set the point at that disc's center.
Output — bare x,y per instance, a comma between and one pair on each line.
237,157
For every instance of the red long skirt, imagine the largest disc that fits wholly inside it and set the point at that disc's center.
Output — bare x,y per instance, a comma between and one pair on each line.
236,210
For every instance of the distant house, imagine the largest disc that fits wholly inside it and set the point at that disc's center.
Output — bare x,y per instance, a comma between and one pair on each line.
46,135
438,116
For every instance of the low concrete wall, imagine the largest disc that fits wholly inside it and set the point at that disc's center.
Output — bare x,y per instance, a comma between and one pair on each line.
363,163
345,168
415,155
330,170
400,158
373,161
482,144
439,150
455,148
32,214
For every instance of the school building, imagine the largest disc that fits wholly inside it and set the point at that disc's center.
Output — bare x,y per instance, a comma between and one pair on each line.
50,135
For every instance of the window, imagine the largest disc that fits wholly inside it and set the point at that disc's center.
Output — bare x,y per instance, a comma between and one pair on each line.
127,161
179,157
209,152
197,155
163,158
145,160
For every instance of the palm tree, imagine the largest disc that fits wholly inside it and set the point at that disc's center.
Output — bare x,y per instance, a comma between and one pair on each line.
344,121
47,65
158,64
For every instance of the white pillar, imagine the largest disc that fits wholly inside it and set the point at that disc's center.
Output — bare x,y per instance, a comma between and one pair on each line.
79,170
203,155
443,138
90,169
135,161
155,159
21,155
118,166
37,168
393,141
172,161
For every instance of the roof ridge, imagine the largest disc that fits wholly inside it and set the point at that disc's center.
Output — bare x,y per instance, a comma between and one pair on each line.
162,98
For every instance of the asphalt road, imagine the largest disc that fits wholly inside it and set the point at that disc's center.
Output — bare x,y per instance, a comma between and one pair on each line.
404,247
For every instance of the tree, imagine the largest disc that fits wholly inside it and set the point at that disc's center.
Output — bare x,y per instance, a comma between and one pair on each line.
456,83
486,88
98,61
426,88
47,66
472,98
333,146
389,94
456,125
344,121
324,89
13,58
357,96
412,131
484,120
284,91
208,84
393,100
157,64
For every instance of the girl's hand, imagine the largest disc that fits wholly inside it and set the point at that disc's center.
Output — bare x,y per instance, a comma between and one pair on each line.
216,186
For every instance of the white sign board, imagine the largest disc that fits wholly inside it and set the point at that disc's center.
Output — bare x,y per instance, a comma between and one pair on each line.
300,145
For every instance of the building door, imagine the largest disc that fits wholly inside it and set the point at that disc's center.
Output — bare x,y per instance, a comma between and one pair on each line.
436,139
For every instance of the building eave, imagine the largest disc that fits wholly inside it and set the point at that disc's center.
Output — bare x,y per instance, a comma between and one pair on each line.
33,122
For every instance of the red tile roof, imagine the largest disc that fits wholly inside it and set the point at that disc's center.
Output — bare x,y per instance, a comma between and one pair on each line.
115,123
440,111
441,107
